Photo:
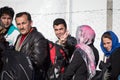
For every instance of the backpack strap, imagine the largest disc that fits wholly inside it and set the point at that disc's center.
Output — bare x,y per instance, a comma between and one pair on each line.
62,52
52,52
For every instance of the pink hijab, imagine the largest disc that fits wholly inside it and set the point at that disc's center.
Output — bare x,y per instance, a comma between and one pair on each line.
85,35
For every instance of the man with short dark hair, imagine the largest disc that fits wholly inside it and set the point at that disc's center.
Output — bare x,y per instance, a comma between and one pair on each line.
64,38
32,43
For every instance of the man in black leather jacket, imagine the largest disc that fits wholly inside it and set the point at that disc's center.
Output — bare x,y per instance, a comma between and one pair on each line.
32,43
64,38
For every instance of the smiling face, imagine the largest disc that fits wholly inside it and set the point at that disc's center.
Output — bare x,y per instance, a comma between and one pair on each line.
23,24
59,30
107,43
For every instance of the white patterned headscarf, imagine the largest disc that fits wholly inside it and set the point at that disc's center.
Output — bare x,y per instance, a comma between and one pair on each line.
85,35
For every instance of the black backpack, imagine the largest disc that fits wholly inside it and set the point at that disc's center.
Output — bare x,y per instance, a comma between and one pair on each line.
58,60
16,66
13,65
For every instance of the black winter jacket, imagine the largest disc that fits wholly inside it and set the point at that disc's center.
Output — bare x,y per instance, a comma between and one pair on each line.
35,45
77,67
69,46
14,65
114,60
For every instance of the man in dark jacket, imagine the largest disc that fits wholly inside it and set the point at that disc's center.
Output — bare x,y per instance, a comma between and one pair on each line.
32,43
64,38
13,65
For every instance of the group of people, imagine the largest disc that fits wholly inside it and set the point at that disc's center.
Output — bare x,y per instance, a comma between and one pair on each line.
82,55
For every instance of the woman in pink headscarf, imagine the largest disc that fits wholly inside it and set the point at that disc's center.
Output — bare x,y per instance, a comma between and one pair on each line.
83,62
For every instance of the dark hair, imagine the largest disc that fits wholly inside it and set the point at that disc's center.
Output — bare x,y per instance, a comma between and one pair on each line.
24,13
59,21
7,10
106,35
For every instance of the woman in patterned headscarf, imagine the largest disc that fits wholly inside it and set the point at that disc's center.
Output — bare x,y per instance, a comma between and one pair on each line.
82,65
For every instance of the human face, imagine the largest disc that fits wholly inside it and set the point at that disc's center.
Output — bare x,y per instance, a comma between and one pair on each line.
23,24
6,20
59,30
107,43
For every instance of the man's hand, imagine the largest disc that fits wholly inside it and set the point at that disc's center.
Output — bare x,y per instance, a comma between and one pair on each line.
63,38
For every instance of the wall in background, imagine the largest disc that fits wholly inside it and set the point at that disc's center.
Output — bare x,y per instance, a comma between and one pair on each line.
75,12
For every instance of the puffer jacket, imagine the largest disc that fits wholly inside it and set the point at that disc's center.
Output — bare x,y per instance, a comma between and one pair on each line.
35,45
